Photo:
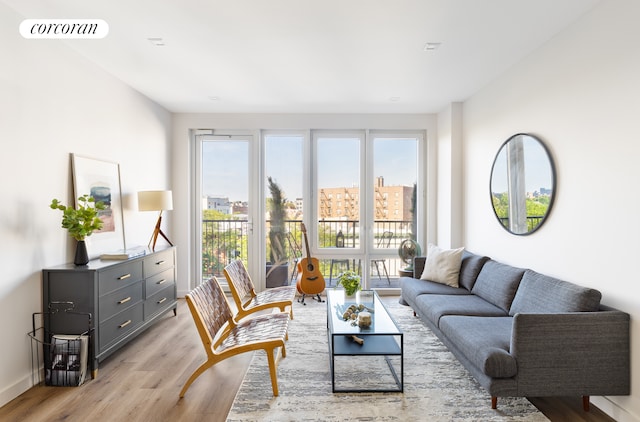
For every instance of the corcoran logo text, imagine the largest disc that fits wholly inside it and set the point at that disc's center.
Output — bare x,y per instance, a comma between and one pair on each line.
64,28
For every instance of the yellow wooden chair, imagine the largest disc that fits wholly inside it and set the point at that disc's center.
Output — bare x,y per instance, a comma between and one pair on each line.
246,298
223,337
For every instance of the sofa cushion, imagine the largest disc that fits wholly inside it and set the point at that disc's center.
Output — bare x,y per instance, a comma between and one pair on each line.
470,267
497,283
433,307
485,341
412,287
442,265
418,266
541,294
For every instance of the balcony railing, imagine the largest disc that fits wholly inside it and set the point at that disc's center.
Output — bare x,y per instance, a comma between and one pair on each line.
532,221
226,240
222,242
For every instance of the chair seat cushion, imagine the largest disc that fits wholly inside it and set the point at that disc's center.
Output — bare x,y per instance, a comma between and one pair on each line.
274,295
268,327
485,341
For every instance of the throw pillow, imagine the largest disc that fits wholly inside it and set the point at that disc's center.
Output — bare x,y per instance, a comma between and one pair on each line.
442,265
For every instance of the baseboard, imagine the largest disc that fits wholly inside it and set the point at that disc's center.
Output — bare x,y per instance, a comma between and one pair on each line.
13,391
614,410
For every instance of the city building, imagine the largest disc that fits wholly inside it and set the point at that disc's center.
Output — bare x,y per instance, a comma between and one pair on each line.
219,204
391,203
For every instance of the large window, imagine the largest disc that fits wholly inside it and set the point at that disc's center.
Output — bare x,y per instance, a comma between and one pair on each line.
364,211
223,202
355,191
283,193
338,177
393,184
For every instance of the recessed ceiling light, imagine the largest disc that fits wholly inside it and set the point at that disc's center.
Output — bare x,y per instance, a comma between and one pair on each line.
157,41
430,46
394,99
214,98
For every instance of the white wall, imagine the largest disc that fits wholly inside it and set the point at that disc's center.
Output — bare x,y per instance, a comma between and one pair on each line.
449,179
53,103
580,94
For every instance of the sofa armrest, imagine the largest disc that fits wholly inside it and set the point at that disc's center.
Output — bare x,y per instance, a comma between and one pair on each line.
418,266
581,353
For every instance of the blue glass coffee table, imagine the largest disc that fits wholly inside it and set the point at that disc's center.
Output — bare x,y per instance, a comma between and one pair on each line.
381,338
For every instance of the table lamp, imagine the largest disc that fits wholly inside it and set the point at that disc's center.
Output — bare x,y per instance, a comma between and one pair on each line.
156,200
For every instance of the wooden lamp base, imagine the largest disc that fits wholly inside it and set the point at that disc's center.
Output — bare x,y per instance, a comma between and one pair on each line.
158,231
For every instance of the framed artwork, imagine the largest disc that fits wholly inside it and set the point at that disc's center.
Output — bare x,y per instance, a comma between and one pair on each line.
101,179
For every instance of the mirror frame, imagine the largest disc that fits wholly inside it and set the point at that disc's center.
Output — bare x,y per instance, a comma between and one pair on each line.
553,182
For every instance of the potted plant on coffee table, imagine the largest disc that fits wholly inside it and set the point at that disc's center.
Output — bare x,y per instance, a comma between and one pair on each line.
80,222
350,281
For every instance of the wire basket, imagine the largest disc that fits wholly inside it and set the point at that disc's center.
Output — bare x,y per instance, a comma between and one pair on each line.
60,359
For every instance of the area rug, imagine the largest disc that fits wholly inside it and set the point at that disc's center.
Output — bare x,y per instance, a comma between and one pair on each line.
436,386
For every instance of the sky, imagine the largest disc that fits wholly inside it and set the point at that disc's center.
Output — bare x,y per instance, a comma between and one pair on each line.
537,168
225,164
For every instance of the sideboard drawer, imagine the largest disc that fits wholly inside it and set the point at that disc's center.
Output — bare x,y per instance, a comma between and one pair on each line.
120,325
120,300
158,262
160,301
119,276
159,281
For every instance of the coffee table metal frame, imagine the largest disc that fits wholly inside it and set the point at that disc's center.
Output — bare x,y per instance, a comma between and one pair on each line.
382,338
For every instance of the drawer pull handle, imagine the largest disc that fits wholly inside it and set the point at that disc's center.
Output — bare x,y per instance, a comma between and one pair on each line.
162,300
124,324
125,300
160,262
124,277
164,280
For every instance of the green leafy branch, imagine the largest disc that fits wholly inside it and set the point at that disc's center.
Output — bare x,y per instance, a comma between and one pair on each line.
83,220
350,280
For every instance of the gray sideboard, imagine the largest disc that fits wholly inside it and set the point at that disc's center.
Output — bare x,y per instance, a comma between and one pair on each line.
123,297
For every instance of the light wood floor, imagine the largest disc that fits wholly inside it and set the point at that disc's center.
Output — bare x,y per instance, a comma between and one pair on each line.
141,382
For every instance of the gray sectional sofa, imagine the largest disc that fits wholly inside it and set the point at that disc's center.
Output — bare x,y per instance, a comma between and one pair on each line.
520,333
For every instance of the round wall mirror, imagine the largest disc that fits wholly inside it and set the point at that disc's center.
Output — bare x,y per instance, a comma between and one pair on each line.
523,184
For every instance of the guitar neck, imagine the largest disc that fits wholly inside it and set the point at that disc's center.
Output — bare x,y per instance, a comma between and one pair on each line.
306,245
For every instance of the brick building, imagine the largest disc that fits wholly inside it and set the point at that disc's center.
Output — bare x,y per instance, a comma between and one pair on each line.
392,203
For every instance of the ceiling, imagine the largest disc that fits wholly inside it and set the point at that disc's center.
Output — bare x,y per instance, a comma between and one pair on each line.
313,56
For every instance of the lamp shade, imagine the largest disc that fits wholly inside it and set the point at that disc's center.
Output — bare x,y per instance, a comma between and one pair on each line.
155,200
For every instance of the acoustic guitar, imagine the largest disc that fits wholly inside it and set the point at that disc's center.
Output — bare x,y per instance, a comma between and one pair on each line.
310,279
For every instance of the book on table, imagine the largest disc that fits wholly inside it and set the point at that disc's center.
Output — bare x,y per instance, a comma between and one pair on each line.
125,253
